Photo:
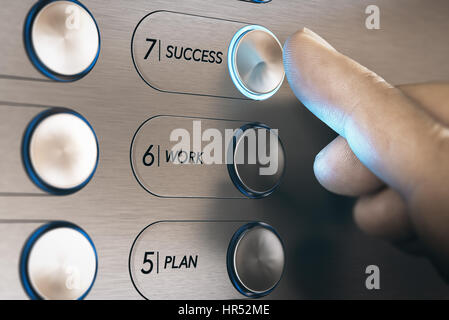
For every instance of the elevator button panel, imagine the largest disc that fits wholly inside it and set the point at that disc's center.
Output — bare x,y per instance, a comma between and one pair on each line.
58,262
190,157
178,259
62,39
60,151
255,62
186,59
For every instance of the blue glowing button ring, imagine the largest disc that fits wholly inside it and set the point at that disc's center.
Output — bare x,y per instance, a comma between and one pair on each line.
62,39
58,262
60,151
255,62
256,160
255,259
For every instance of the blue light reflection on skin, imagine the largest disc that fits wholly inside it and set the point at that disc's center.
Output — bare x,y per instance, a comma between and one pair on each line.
332,115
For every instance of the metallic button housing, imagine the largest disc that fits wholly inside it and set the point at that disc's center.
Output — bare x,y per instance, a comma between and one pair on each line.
62,39
255,259
255,62
247,175
58,262
60,151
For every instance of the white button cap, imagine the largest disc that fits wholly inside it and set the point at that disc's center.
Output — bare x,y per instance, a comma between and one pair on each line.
61,264
63,150
65,37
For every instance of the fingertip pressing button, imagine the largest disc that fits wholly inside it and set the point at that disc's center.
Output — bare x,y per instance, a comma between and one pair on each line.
62,39
60,151
58,262
255,62
255,259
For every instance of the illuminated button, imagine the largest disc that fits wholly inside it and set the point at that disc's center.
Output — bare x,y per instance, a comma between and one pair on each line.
255,259
62,39
60,151
258,160
58,262
255,62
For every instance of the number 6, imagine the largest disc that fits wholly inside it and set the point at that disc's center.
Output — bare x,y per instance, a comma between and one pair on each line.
148,154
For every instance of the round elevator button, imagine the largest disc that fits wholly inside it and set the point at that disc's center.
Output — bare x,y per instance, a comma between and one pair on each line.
60,151
255,259
58,262
258,160
62,39
255,62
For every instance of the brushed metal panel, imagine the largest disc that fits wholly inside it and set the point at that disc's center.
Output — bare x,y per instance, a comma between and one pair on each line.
13,235
327,254
13,122
14,60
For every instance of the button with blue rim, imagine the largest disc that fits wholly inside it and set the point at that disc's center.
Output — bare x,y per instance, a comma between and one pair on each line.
255,62
62,39
60,151
58,262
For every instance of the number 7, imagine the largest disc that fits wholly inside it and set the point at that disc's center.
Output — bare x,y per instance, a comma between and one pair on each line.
153,42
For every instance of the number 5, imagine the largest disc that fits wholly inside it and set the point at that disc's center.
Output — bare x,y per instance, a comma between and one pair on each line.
146,259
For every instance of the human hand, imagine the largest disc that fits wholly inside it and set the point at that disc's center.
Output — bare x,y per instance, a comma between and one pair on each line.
393,146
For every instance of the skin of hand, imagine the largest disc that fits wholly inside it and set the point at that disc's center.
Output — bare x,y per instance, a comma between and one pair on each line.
392,151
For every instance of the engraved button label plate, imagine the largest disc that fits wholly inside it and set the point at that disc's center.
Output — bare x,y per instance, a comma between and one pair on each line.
153,159
190,60
183,260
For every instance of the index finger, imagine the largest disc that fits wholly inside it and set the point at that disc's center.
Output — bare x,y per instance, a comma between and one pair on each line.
391,135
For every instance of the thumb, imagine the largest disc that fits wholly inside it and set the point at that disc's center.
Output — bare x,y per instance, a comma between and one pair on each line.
391,135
